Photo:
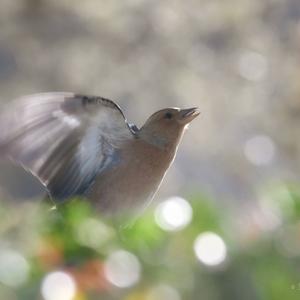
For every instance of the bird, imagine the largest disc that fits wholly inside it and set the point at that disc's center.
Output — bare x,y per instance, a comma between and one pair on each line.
78,145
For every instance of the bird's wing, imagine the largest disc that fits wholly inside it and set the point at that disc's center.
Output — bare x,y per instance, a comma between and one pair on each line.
64,139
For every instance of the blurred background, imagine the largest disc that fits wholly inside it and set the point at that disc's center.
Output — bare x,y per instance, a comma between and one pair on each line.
225,224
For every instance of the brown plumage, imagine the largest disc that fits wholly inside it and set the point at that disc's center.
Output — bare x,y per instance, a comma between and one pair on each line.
79,145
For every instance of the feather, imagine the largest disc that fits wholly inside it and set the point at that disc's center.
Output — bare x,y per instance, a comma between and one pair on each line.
64,139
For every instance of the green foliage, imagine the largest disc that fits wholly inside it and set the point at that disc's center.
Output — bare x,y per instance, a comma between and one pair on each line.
75,239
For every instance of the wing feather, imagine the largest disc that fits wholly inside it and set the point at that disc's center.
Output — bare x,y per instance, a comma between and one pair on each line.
64,139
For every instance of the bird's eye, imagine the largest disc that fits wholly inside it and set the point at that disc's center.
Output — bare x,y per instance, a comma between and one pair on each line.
168,115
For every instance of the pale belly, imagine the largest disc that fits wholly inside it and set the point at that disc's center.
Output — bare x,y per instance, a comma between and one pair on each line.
130,186
120,191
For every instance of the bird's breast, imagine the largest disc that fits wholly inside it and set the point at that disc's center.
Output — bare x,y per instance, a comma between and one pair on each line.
131,183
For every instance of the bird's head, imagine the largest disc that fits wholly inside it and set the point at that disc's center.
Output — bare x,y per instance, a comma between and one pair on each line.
165,127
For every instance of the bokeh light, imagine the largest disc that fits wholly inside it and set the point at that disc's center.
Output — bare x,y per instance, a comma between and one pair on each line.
58,286
163,291
93,233
210,249
14,269
173,214
260,150
122,269
253,66
269,215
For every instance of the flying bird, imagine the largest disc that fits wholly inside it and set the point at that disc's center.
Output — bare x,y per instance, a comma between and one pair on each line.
80,145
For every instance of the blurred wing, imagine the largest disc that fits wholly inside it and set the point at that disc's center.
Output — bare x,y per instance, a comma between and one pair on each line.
63,139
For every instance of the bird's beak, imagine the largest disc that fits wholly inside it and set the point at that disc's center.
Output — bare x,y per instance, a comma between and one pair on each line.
189,114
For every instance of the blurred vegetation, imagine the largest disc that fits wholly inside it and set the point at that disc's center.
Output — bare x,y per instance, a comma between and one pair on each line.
238,60
261,262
